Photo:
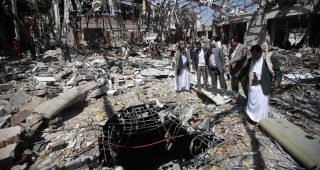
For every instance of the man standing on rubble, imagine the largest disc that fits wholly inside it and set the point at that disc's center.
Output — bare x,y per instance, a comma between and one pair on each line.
237,59
264,74
200,65
215,60
182,68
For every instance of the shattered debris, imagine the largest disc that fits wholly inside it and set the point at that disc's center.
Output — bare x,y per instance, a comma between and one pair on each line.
90,85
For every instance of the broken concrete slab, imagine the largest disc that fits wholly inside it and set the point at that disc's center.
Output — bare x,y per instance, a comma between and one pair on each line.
7,155
10,135
20,98
20,117
218,99
154,72
44,79
35,101
297,78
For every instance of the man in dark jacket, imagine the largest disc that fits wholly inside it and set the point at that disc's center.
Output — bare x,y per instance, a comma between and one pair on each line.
264,74
215,60
237,59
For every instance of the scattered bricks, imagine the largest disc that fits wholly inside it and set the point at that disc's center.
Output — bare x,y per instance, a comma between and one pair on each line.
10,135
57,146
7,155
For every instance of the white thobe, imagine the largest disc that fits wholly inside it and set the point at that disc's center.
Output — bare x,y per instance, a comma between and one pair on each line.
183,80
258,103
202,61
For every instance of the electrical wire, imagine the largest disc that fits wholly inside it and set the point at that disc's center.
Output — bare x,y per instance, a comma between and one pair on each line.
86,148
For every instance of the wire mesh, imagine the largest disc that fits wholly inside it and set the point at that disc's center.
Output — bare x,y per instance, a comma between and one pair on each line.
148,125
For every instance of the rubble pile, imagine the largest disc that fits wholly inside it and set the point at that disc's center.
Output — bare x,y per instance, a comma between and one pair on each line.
91,84
108,84
298,95
299,66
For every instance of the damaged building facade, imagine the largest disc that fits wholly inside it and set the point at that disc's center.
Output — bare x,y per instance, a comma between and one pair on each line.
285,24
90,84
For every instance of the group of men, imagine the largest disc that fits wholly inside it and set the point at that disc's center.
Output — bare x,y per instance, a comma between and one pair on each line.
257,71
209,60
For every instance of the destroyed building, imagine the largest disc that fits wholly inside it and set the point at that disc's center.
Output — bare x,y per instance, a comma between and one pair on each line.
90,84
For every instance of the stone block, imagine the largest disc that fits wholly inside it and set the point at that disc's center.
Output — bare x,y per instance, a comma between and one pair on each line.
10,135
44,79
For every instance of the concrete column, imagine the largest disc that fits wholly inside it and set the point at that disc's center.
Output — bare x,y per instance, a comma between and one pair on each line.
14,11
113,7
56,19
207,34
307,34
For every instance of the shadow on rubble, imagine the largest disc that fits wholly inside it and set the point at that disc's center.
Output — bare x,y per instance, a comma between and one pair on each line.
258,161
70,112
107,108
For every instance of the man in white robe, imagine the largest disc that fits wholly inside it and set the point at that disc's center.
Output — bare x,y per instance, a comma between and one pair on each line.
182,68
264,75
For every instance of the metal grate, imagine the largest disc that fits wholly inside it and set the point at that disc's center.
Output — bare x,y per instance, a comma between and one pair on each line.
146,126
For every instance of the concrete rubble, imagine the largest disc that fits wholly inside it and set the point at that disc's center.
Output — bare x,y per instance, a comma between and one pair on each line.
84,114
69,134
